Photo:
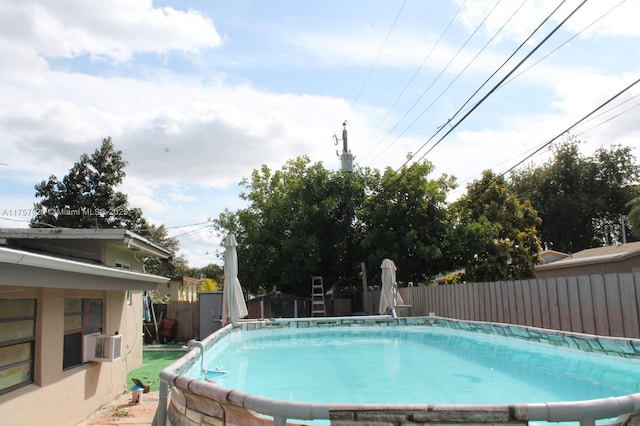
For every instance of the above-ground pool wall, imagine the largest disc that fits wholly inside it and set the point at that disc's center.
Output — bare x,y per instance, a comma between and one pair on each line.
195,402
188,408
410,416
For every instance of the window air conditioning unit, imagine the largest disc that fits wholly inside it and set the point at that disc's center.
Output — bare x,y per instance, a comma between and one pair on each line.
102,347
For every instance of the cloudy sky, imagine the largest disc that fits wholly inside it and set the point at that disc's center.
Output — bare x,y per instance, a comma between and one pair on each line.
198,93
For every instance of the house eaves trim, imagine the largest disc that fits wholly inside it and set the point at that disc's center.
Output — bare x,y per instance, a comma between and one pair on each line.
24,258
131,239
567,263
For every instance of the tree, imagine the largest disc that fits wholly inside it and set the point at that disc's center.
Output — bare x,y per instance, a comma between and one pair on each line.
86,196
176,265
504,230
579,199
407,221
208,284
634,215
293,227
304,220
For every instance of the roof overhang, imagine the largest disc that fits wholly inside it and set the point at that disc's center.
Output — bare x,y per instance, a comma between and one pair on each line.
23,268
583,261
130,239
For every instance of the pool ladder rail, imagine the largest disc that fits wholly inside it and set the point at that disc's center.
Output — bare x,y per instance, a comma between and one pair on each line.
317,297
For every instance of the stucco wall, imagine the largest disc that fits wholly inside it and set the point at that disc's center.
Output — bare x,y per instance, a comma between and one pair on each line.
64,398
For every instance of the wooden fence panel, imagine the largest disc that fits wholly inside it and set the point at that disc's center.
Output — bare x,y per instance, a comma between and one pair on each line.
614,313
506,306
526,302
486,301
501,302
629,306
599,304
187,314
552,297
465,300
447,301
472,295
586,305
461,301
563,304
574,304
536,316
543,291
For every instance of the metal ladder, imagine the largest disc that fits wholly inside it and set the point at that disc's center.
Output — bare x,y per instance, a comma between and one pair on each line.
317,297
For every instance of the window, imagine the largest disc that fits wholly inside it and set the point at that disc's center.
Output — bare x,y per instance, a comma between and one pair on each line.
17,342
121,264
81,317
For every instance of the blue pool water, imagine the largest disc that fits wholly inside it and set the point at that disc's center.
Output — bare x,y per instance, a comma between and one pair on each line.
412,364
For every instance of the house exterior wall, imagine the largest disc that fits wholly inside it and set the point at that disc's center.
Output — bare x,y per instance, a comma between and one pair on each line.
629,265
60,397
113,254
67,397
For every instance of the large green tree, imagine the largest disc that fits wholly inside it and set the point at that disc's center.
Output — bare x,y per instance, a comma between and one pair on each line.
500,228
634,215
305,220
579,199
296,225
406,220
87,198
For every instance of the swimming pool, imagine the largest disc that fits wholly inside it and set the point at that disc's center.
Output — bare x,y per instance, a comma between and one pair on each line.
343,368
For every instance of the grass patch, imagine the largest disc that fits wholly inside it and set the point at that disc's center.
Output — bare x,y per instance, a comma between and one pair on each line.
154,359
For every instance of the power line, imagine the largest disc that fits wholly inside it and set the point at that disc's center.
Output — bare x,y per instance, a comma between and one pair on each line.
568,129
413,77
609,119
465,68
555,50
442,71
477,104
193,231
375,63
564,43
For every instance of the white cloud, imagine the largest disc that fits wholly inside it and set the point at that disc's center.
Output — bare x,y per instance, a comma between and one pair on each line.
114,30
603,18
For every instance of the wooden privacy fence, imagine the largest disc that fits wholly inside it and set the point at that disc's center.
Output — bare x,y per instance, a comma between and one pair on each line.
187,314
606,305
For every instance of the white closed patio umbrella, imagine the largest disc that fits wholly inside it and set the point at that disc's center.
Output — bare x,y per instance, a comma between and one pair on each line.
233,304
389,297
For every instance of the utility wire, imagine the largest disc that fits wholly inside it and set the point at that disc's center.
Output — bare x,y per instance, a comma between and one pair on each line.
375,63
522,44
465,68
565,42
486,96
556,49
608,119
442,71
584,118
413,77
193,231
614,107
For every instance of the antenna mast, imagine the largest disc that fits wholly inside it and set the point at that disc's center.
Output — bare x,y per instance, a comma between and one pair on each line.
346,157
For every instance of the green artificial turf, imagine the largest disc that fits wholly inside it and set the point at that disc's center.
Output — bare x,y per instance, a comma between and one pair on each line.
154,359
